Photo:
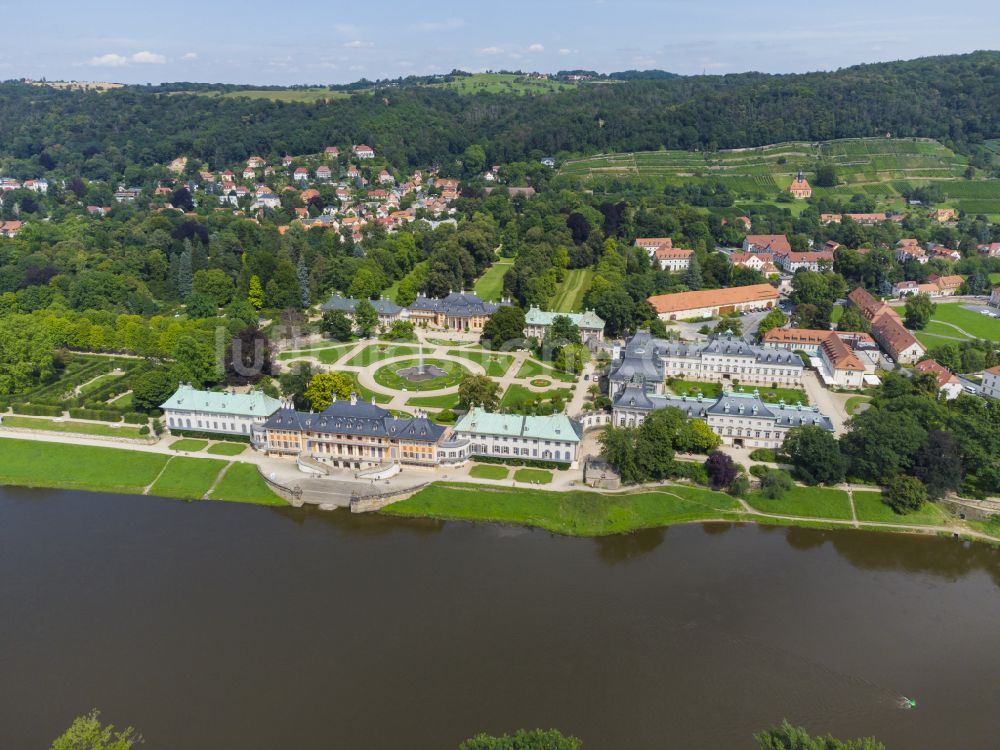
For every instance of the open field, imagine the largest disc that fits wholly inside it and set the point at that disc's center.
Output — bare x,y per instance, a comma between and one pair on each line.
502,83
811,502
306,95
489,286
973,323
242,483
869,507
187,478
68,425
573,513
569,295
77,467
494,363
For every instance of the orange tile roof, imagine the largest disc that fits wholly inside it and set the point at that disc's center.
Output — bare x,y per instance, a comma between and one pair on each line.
944,375
892,335
665,303
668,253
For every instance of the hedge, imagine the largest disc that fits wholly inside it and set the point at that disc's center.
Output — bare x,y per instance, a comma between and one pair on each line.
529,462
38,410
134,417
688,470
230,437
763,454
98,415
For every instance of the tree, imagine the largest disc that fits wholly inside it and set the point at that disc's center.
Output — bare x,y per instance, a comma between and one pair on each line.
788,737
695,436
474,159
324,386
881,443
200,306
938,464
654,440
826,175
692,276
26,354
919,310
366,284
87,733
150,388
365,317
774,319
729,325
618,449
905,494
572,358
256,294
402,330
478,390
617,308
194,361
853,320
775,483
563,331
721,469
294,384
282,289
504,328
302,273
215,284
185,274
535,739
336,325
815,455
248,357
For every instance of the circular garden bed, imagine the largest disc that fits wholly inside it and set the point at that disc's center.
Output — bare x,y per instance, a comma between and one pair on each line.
406,375
541,383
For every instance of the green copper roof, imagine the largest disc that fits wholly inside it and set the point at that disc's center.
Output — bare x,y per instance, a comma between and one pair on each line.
538,317
253,404
555,427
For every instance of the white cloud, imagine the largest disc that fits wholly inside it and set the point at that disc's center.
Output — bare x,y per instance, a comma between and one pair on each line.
491,51
565,51
536,48
110,60
189,56
148,58
357,44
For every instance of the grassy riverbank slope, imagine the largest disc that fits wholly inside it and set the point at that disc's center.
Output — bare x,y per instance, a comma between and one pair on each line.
576,513
31,463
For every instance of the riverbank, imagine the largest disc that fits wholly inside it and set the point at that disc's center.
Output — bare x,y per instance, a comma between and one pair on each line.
30,463
591,514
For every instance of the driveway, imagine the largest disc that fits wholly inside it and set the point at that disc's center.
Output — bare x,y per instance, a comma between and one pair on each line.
829,403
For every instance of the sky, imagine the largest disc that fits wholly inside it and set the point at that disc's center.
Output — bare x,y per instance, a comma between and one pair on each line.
336,42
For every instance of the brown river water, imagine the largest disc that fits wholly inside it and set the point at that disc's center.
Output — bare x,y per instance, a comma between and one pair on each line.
211,625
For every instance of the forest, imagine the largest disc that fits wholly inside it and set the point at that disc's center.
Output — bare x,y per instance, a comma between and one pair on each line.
955,99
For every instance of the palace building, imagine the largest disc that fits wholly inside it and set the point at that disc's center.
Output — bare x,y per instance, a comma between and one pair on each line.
537,323
458,311
225,412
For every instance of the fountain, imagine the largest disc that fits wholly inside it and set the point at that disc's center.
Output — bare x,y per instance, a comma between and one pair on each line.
421,371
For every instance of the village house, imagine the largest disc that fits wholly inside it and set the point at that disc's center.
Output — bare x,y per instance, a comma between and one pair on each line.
10,229
710,303
300,174
267,200
807,261
990,385
992,250
331,152
909,249
948,385
286,160
943,215
364,152
775,244
936,286
652,244
887,327
224,412
39,185
673,259
323,172
537,323
800,188
249,173
761,262
385,178
256,162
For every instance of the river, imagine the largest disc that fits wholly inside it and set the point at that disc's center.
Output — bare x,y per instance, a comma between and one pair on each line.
211,625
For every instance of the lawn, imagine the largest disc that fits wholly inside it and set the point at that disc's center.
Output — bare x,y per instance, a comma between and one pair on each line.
489,286
852,404
569,295
448,342
973,323
80,428
327,354
714,390
122,402
363,392
242,483
694,388
811,502
84,467
576,513
487,471
190,445
227,449
187,478
518,399
495,364
869,507
774,395
448,401
533,476
377,352
937,328
836,313
388,376
532,368
97,382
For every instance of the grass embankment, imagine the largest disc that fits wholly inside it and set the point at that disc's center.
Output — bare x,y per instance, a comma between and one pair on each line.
77,467
869,507
187,478
519,400
714,390
448,401
495,364
489,286
79,428
809,502
569,295
576,513
243,484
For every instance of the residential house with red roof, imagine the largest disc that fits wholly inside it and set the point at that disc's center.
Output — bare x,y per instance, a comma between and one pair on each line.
990,386
776,244
364,152
948,385
673,259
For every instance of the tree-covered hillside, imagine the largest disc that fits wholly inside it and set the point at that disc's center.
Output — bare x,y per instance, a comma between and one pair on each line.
955,99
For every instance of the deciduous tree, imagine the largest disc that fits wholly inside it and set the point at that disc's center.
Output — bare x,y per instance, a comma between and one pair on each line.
323,386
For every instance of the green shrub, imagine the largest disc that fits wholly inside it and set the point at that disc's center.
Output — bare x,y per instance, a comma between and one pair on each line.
763,454
695,472
98,415
529,462
205,435
134,417
38,410
758,471
144,430
775,483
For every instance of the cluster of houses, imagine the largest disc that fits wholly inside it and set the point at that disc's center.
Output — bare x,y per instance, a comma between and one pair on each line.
37,185
359,435
887,328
